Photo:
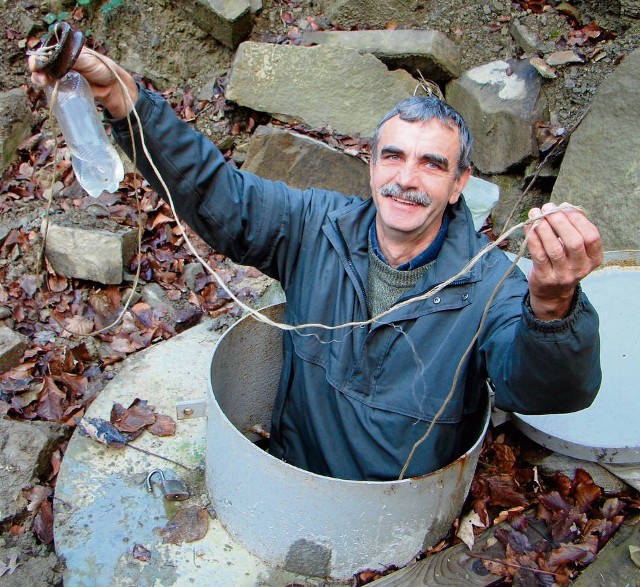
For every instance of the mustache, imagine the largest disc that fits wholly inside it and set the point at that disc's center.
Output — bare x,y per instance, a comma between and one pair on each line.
393,190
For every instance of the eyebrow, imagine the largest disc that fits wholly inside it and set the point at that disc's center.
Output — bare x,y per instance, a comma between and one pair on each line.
428,157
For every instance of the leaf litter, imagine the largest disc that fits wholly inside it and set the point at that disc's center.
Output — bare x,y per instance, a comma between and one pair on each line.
546,529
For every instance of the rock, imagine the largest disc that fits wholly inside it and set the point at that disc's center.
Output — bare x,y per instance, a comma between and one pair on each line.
156,296
512,204
376,14
191,273
562,58
428,52
601,168
12,347
629,473
133,61
35,566
542,67
317,86
25,452
557,463
86,247
227,21
303,162
501,102
16,121
526,39
272,294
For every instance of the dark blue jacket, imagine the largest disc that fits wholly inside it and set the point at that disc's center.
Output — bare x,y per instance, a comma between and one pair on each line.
353,401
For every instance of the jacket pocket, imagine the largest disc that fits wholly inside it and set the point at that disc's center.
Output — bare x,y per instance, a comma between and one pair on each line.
396,374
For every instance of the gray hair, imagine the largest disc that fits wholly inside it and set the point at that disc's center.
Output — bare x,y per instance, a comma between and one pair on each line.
424,109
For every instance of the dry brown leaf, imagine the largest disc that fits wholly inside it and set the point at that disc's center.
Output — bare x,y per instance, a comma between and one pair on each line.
50,400
187,525
137,416
43,523
163,426
465,530
78,325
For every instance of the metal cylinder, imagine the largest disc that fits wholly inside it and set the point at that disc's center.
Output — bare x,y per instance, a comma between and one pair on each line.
303,522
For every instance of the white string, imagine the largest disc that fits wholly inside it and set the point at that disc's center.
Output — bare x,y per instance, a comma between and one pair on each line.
283,326
287,327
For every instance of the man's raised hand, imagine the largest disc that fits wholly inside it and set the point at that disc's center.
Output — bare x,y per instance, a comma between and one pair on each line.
565,247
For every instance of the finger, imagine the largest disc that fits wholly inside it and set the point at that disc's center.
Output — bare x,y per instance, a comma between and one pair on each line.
566,233
534,243
589,233
579,237
40,80
551,245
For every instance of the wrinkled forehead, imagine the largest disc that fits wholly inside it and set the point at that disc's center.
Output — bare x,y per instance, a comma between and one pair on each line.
408,134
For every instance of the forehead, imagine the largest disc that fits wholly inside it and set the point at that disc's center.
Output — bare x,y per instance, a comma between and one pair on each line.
432,134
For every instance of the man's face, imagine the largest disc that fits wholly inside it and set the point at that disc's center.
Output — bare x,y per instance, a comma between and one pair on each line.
413,180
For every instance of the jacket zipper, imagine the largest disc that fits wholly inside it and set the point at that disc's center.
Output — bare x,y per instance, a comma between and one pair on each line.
352,266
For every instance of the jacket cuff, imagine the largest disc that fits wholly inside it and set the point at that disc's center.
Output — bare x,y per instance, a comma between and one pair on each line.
144,106
559,325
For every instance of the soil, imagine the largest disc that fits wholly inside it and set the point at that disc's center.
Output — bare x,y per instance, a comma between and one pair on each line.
153,38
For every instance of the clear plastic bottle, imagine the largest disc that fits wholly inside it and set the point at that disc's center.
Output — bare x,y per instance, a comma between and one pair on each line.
94,159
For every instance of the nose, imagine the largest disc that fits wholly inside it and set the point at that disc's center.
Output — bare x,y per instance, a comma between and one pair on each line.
406,176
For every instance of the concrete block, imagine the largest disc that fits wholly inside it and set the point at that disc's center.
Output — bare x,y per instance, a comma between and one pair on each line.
12,347
25,452
91,248
303,162
16,121
227,21
429,52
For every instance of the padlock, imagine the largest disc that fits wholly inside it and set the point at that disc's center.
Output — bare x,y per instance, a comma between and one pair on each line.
172,489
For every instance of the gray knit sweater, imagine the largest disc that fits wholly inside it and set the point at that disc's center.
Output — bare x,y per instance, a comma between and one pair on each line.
387,284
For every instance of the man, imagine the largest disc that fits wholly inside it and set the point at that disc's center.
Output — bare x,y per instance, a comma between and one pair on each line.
353,401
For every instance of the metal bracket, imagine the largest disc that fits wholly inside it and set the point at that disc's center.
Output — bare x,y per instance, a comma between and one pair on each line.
196,408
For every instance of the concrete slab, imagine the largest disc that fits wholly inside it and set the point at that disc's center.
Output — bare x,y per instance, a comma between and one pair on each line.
103,509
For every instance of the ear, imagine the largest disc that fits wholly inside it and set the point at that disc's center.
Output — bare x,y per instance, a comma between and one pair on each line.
459,185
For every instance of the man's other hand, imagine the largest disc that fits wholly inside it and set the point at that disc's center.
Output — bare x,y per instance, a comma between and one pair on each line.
565,247
100,72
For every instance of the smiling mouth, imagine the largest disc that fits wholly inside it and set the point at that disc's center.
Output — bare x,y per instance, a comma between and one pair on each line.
403,201
407,197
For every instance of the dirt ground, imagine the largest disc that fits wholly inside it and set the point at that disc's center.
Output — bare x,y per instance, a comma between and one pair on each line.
152,38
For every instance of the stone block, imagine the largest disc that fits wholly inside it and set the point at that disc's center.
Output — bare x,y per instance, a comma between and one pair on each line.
87,247
601,168
428,52
16,122
501,101
227,21
12,347
303,162
318,86
25,452
375,14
